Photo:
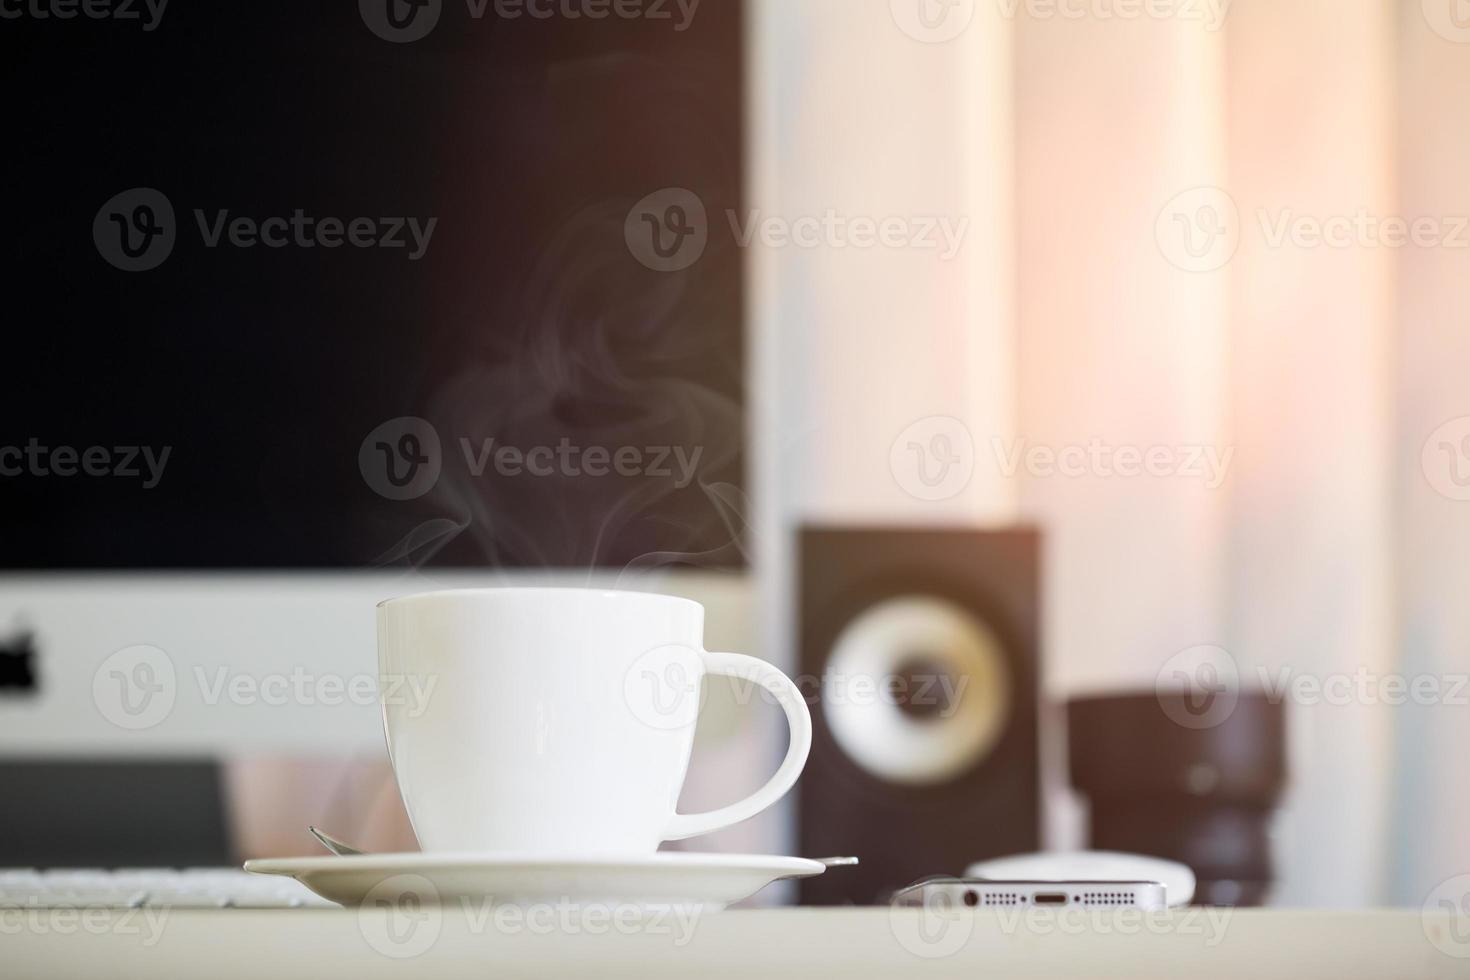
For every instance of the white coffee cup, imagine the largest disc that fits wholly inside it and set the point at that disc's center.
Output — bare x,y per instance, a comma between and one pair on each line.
558,720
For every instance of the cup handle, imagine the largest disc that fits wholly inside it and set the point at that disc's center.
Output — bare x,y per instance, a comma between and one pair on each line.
798,718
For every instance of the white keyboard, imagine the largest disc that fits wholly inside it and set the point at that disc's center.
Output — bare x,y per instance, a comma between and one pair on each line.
189,888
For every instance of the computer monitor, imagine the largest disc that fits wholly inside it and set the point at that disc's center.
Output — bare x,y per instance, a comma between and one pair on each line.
309,306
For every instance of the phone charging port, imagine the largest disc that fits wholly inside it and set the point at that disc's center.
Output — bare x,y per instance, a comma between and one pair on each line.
1051,898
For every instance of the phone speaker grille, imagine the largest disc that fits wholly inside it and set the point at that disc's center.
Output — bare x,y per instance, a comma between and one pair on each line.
1106,898
1000,899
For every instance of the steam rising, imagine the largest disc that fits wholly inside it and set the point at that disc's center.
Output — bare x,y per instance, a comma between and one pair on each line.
601,356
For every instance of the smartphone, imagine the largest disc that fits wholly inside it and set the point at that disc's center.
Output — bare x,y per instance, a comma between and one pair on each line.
984,893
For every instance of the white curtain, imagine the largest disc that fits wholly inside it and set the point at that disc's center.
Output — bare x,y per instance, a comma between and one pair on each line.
1085,145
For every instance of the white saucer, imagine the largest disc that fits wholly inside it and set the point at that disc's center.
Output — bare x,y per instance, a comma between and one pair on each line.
662,879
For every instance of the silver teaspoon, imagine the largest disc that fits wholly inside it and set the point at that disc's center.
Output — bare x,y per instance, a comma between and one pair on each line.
333,844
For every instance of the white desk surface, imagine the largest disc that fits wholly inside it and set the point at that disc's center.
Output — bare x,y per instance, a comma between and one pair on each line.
765,944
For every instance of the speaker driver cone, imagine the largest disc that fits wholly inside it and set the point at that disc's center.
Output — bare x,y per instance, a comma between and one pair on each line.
916,690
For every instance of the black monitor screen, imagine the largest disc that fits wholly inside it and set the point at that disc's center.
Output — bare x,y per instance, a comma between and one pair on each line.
348,284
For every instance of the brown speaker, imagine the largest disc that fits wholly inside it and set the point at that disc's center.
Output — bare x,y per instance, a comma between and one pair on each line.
919,652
